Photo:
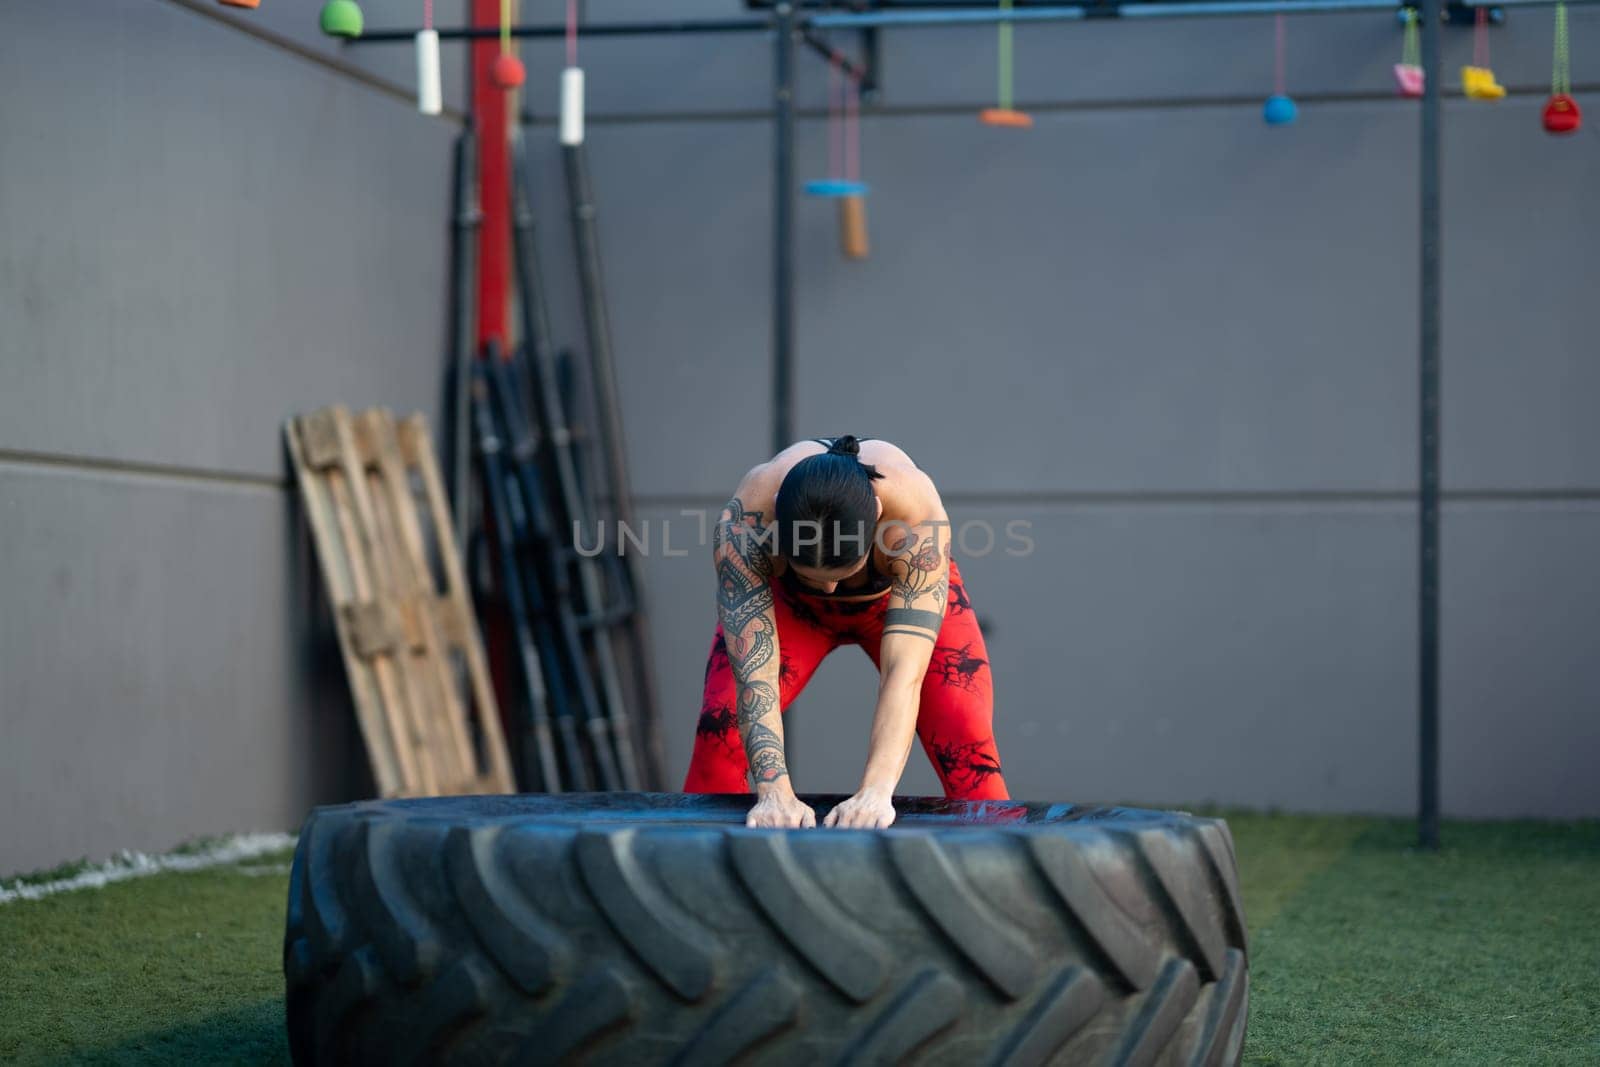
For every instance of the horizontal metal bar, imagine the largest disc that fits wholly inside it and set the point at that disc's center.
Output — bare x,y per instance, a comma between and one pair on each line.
831,6
1517,3
951,17
1137,10
1250,7
599,29
851,20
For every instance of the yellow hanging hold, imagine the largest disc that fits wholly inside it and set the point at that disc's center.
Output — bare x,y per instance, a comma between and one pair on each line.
1477,79
1478,83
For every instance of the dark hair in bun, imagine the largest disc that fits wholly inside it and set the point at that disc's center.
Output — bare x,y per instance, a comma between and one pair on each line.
826,510
848,445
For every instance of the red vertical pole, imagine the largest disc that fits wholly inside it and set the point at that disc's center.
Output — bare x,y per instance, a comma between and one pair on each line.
491,106
489,111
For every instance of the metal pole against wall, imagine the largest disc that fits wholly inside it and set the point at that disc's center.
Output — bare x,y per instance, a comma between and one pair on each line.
782,228
464,336
1428,487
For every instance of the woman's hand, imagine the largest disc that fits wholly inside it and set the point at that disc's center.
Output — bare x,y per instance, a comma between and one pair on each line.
779,808
870,809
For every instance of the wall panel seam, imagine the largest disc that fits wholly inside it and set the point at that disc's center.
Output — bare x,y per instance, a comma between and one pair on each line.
964,109
43,461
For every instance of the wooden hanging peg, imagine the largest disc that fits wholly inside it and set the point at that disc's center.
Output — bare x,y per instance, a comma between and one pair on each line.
844,161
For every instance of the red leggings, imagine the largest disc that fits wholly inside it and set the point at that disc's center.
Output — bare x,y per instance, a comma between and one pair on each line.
955,720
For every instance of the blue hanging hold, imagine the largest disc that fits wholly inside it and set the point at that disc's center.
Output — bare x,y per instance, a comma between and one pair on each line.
835,188
1280,111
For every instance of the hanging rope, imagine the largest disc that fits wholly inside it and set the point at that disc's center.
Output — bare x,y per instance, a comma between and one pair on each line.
1411,50
1480,38
1562,115
835,120
1561,72
572,33
1004,94
852,130
1280,34
1279,110
427,14
505,27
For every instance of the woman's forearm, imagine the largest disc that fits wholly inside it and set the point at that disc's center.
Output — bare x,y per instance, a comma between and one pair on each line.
894,724
753,653
750,632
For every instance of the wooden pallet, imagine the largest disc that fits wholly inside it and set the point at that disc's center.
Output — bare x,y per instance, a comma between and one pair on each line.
376,505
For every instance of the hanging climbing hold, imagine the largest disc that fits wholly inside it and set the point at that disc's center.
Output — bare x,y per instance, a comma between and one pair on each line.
341,18
1477,79
1478,83
1561,114
430,91
508,72
1408,76
1279,111
1005,116
853,227
844,183
835,188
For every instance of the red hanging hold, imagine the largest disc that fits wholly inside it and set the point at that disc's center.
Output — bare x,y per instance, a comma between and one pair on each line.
507,71
1561,114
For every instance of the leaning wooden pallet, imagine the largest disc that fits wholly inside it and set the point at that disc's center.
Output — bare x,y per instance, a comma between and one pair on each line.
376,506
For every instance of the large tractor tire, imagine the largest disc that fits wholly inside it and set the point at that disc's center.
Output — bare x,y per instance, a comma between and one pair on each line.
646,928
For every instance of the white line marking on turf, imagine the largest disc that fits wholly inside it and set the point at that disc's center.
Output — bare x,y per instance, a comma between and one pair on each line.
257,870
128,864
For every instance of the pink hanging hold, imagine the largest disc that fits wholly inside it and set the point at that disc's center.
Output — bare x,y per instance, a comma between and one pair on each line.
1408,76
1408,79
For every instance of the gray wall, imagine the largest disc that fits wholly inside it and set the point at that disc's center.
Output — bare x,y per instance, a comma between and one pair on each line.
1180,343
1183,346
201,233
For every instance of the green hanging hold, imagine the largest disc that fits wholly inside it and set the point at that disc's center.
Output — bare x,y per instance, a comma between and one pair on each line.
341,18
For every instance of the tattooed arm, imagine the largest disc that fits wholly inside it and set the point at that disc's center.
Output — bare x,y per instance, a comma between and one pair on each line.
741,549
920,567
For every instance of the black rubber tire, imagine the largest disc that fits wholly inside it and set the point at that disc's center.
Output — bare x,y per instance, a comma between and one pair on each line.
636,928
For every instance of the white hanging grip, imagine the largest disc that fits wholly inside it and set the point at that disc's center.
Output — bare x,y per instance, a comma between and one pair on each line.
429,95
572,105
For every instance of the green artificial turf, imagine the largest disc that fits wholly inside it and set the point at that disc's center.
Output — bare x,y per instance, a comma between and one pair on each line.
1363,951
1487,952
172,968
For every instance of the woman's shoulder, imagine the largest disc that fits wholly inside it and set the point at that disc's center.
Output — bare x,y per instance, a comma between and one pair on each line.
902,478
907,493
881,453
757,492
